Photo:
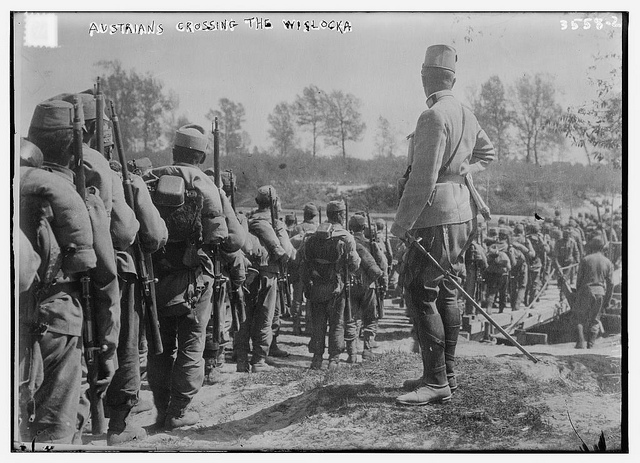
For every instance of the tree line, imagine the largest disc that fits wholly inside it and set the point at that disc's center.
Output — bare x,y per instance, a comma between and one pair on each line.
523,119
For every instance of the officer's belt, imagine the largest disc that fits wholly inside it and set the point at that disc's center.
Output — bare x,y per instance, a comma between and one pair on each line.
451,178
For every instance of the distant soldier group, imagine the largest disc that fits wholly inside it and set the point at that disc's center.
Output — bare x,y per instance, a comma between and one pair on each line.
511,264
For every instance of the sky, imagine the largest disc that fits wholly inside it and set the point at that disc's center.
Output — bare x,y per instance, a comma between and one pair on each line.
377,58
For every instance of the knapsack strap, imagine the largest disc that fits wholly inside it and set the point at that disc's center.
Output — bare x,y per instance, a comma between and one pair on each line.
446,165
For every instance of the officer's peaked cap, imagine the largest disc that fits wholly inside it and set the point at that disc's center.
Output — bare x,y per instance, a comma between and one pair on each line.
191,136
440,56
53,115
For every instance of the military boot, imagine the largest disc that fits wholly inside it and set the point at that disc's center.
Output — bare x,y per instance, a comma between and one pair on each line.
141,406
297,330
580,333
275,351
178,416
352,351
316,363
120,430
367,354
426,395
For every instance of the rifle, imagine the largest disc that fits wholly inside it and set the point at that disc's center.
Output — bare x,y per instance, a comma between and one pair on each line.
452,279
284,293
232,186
236,296
320,215
99,97
218,315
347,274
373,234
91,342
143,259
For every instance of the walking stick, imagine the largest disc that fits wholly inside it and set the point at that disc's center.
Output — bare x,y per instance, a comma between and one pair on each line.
449,276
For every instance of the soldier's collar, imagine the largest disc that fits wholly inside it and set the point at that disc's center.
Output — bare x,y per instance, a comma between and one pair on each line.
64,172
436,96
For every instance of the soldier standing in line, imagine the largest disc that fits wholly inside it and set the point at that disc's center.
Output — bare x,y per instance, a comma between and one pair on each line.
435,207
475,261
233,268
567,253
301,231
521,248
363,292
324,256
190,204
594,287
61,226
263,289
123,393
537,264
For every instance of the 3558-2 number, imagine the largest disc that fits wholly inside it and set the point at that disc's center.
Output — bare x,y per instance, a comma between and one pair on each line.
587,23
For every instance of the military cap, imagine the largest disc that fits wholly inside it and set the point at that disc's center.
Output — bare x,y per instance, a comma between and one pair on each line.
519,228
310,209
191,136
503,231
53,115
87,101
502,221
596,244
380,224
357,221
289,218
263,194
493,231
534,228
440,56
336,206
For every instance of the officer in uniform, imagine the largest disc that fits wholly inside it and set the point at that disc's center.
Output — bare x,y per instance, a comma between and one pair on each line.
323,257
190,204
61,227
263,289
436,207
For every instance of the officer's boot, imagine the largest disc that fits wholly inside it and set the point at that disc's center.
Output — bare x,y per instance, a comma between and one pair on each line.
451,340
367,354
178,415
297,329
352,351
275,351
121,430
435,387
580,333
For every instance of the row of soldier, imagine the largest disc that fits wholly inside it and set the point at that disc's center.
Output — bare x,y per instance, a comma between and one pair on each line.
115,266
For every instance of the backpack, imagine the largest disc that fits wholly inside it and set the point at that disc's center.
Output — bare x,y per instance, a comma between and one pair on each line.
498,261
181,210
323,257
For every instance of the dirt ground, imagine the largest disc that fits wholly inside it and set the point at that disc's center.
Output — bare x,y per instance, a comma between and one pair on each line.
294,408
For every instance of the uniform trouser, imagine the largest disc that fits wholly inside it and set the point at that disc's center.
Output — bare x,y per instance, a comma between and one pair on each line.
56,400
297,296
363,308
432,300
123,391
217,328
261,308
533,285
275,323
329,312
496,286
176,375
588,307
518,286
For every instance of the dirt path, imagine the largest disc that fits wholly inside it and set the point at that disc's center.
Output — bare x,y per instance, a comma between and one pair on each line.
296,408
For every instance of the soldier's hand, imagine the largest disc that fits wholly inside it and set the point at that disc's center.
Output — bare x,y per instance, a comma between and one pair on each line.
107,369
